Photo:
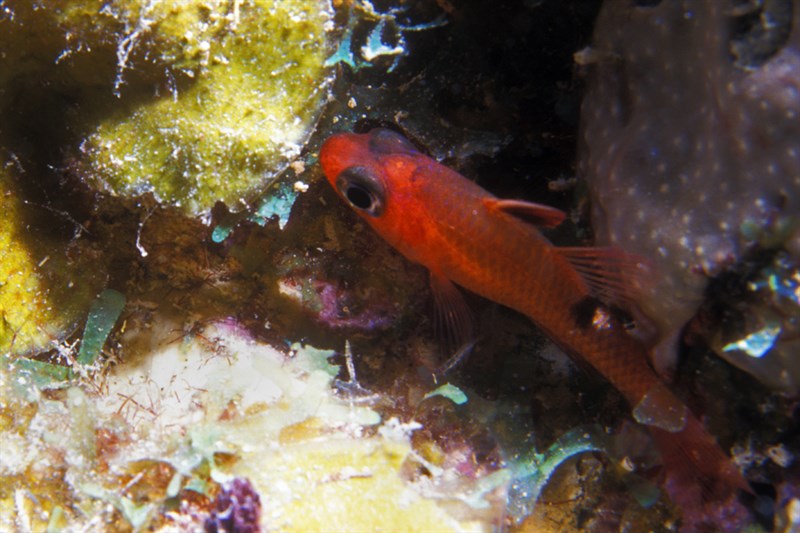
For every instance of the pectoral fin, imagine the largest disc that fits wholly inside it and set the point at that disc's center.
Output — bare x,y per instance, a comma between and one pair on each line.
461,354
453,322
536,214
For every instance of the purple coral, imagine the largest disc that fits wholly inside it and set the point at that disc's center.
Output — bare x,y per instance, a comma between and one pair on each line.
237,509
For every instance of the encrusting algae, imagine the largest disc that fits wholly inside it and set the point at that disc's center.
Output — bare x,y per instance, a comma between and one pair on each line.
42,297
192,101
248,86
157,442
25,312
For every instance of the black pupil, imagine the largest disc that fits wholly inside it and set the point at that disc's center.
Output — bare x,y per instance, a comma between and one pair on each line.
359,197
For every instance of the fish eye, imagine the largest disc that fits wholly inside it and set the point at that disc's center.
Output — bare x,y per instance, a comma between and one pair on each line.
362,189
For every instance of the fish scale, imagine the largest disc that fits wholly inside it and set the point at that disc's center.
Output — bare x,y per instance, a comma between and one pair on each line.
533,272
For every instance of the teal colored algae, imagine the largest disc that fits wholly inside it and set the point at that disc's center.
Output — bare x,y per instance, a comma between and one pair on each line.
534,470
102,317
385,36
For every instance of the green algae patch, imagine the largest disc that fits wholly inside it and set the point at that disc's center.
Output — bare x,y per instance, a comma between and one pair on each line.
102,316
256,85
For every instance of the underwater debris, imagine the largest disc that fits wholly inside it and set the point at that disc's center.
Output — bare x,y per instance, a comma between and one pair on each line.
532,471
135,515
758,317
379,27
694,167
276,203
351,388
449,391
279,204
31,376
756,344
332,303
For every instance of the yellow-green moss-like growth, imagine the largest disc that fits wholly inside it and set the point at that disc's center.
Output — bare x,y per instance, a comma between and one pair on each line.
23,307
43,293
245,83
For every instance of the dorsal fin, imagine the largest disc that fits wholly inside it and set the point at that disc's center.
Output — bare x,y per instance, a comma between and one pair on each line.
613,275
536,214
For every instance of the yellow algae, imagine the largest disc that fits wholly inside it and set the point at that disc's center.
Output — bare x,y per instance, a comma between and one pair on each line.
344,484
308,429
250,84
39,303
26,315
194,101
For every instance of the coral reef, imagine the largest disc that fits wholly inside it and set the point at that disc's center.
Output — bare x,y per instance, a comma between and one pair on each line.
166,357
170,441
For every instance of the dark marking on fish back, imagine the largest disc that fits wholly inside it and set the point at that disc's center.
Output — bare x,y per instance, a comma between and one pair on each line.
584,311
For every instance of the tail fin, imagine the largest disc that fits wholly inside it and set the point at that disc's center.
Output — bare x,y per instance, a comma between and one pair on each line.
700,478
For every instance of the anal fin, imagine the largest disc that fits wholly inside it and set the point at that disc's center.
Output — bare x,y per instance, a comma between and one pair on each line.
660,408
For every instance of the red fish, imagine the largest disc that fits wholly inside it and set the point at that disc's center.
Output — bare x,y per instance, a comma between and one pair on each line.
492,247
